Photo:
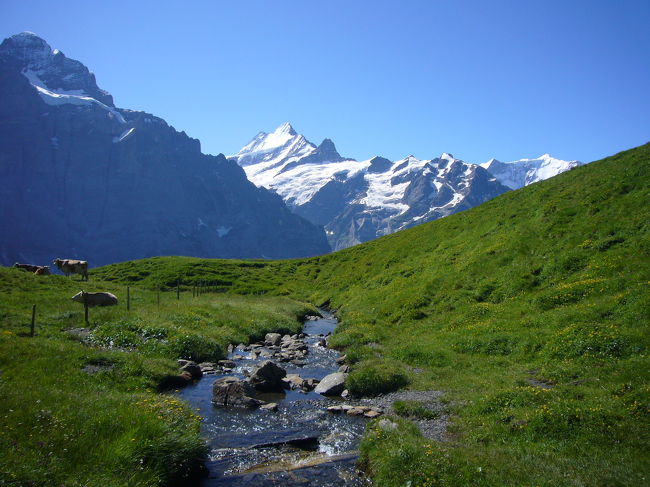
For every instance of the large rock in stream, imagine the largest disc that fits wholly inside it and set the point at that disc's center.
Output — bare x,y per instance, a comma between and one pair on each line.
272,339
231,391
268,377
332,385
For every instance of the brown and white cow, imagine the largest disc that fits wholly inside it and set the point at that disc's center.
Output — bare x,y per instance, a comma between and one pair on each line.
72,266
95,299
39,270
26,267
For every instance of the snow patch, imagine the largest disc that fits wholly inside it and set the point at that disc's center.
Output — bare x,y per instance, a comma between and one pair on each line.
223,231
125,135
63,97
520,173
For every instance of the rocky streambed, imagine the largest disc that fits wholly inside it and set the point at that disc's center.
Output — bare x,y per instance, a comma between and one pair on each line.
273,412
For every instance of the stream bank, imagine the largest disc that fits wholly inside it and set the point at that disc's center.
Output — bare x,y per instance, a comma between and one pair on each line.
299,444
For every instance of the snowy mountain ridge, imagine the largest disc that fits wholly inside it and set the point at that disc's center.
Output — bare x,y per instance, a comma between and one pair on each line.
357,201
57,78
520,173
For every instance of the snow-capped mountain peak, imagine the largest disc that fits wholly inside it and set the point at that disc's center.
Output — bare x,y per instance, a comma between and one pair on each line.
270,148
285,128
57,79
29,49
360,200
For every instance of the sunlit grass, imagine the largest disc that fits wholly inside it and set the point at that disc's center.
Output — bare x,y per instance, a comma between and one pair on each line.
89,414
531,312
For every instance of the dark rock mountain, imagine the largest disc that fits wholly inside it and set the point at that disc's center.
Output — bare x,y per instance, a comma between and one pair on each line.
80,178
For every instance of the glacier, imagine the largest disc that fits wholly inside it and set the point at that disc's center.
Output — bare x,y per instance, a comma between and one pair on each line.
357,201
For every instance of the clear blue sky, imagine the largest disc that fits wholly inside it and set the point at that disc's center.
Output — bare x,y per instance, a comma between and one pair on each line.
479,79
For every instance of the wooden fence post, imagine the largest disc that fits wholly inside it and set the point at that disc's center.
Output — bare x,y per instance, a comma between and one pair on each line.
178,289
128,298
86,309
33,320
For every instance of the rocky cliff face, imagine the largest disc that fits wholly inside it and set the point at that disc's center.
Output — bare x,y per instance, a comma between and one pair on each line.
80,178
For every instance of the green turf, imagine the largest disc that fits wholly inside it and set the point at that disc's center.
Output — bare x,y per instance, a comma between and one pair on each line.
530,312
74,414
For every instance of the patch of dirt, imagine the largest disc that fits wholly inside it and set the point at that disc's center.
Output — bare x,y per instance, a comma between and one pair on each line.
434,429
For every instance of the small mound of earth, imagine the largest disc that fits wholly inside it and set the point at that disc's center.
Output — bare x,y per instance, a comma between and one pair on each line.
97,368
434,429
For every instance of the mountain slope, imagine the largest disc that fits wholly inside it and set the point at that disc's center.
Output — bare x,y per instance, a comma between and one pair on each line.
357,201
530,311
80,178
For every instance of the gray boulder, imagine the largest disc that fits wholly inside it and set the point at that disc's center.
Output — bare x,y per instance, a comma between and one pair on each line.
332,385
227,364
268,377
293,381
230,391
193,368
272,339
310,384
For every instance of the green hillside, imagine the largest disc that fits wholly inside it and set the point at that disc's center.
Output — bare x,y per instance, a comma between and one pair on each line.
549,284
531,313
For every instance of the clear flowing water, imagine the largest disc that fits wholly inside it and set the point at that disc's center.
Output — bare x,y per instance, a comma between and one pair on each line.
317,448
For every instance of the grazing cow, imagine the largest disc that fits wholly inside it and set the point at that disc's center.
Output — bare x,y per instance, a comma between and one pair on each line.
26,267
95,299
43,270
71,266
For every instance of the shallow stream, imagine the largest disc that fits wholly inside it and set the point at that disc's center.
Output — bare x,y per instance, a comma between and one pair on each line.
301,444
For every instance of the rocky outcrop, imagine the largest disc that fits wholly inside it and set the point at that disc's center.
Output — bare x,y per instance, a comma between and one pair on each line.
294,381
191,367
231,391
272,339
267,377
332,384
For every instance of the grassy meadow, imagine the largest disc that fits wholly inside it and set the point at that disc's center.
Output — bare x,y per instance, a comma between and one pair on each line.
531,312
92,413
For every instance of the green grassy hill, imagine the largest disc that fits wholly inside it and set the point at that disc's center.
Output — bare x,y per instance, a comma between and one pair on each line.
531,312
547,284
